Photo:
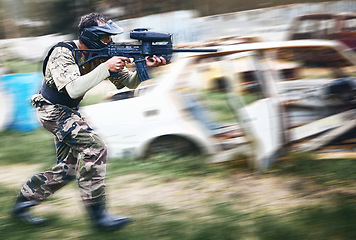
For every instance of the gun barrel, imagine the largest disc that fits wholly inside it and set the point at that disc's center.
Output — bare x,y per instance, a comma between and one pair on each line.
194,50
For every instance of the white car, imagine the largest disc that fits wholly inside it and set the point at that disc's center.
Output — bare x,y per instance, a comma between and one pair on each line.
276,92
158,117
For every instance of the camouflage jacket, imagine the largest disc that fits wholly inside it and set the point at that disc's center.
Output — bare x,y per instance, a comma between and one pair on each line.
62,69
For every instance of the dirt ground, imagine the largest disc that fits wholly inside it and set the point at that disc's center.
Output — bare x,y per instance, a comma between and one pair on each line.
244,191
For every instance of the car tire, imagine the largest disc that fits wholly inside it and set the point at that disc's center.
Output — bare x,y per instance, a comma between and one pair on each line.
172,144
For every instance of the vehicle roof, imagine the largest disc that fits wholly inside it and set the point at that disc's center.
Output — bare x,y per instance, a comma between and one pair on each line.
223,50
326,15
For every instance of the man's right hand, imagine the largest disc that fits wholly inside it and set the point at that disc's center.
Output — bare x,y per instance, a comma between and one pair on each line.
117,64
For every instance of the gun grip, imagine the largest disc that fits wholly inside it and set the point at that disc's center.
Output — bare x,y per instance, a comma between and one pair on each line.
141,70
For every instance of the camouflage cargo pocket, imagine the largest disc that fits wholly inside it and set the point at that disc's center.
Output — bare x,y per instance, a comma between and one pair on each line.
68,123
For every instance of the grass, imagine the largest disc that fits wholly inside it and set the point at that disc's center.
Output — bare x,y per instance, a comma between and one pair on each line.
35,147
166,166
228,219
317,222
18,66
325,172
217,103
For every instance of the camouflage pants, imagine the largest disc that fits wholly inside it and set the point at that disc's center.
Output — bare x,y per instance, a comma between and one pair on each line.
80,153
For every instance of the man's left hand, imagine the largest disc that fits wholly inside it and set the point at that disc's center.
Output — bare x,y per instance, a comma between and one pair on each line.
155,61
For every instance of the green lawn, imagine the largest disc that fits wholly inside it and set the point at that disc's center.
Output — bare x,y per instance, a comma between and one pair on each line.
17,66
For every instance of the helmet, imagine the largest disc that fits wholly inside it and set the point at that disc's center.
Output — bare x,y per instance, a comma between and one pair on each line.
91,36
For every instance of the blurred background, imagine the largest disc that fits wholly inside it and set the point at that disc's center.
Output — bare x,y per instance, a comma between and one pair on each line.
169,198
27,18
28,28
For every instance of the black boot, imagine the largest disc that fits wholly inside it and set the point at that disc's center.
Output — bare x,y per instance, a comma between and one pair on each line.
21,211
103,221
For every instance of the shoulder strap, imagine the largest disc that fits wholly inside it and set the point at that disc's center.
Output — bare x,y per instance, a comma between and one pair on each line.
70,45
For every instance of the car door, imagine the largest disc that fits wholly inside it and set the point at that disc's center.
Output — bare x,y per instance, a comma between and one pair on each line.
255,101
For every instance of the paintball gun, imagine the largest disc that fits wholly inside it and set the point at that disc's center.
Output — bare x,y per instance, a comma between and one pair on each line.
149,44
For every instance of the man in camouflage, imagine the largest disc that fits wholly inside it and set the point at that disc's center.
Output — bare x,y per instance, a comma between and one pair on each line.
81,153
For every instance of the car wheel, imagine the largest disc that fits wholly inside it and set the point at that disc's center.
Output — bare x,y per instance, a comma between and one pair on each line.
172,144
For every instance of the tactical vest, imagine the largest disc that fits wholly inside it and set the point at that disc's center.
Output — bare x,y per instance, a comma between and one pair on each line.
51,93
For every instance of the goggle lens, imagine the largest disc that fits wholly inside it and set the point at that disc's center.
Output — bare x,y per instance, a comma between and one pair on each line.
106,38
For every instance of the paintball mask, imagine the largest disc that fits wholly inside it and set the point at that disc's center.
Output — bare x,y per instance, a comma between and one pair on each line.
93,37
